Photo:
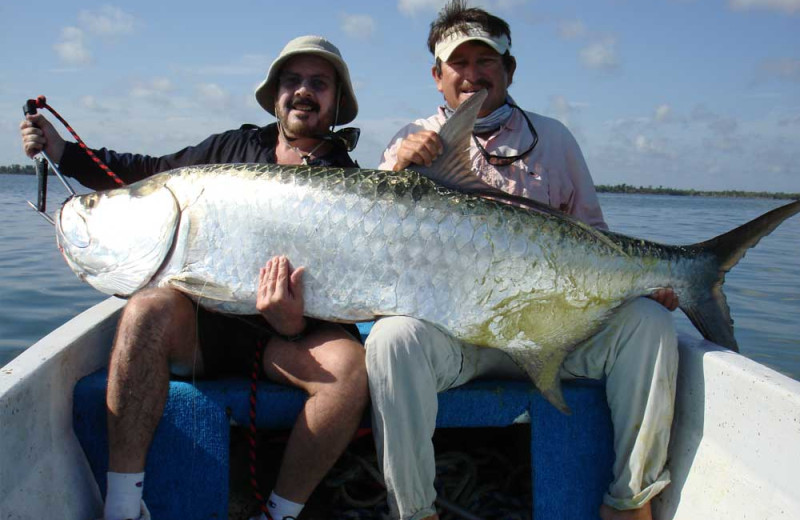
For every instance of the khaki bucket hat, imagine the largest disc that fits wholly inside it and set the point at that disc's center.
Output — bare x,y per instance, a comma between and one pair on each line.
318,46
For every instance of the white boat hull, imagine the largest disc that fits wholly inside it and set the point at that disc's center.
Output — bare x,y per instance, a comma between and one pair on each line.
734,452
42,466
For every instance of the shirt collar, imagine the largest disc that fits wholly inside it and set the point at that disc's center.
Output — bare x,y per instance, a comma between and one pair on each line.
515,122
268,137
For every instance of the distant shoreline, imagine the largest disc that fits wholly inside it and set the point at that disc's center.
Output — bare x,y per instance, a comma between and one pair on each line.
627,189
28,169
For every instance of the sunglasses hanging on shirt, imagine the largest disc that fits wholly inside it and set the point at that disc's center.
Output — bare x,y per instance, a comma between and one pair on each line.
505,160
346,137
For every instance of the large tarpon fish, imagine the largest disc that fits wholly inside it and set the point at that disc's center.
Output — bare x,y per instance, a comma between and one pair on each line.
492,269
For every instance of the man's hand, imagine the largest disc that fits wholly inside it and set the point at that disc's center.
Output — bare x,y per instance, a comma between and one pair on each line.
666,297
38,134
421,148
280,296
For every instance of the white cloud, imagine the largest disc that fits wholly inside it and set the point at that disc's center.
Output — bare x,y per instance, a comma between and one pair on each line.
72,47
360,26
161,84
155,90
213,96
650,146
247,65
571,29
601,54
641,143
562,109
663,113
107,21
783,6
718,124
91,104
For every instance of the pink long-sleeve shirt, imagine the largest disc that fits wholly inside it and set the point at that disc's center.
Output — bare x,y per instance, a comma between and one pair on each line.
554,173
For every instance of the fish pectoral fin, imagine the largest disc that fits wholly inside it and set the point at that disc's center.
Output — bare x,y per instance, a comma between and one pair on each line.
201,288
543,366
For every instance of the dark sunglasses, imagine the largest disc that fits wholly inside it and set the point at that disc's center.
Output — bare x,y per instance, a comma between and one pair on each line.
347,137
505,160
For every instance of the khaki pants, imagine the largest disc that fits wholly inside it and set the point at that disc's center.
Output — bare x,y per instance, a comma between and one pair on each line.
410,361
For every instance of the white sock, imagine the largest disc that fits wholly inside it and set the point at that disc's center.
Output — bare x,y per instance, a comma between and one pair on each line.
280,508
123,495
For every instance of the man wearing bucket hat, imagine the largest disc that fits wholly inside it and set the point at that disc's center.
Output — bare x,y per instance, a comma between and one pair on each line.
308,90
532,156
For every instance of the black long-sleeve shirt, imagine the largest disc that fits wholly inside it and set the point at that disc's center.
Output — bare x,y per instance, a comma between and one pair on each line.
248,144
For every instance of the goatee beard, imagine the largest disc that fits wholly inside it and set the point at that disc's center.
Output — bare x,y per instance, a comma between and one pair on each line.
295,127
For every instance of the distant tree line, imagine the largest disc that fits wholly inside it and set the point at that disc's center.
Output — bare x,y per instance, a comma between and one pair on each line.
661,190
18,169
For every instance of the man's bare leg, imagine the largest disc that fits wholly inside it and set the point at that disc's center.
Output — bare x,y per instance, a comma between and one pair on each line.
157,329
329,365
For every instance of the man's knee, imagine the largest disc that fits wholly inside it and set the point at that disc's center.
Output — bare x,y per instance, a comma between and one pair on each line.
395,339
649,312
159,305
327,360
650,326
348,368
158,324
413,351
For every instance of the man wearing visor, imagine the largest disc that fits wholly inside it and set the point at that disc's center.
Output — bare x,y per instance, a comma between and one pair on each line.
409,361
161,331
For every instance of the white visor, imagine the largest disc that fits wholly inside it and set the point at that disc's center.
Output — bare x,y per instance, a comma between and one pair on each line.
469,32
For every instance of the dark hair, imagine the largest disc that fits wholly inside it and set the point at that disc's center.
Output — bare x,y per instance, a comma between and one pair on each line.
455,15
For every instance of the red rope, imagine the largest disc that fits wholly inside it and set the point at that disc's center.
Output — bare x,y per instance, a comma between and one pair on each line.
41,102
252,433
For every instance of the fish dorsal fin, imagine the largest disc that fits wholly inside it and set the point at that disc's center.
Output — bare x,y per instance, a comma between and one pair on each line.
453,169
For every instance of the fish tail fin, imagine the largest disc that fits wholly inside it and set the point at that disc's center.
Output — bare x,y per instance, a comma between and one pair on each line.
711,316
710,312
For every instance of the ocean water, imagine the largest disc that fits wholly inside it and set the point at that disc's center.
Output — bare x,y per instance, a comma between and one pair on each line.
38,292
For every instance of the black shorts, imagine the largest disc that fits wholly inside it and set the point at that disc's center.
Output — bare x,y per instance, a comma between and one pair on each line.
228,342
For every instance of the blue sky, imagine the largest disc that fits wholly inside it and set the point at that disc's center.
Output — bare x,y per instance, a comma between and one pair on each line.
679,93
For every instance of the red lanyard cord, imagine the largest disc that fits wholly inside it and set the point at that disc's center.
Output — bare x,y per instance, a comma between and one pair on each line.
41,102
252,431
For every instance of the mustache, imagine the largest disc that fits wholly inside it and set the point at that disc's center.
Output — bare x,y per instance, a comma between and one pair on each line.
476,85
304,103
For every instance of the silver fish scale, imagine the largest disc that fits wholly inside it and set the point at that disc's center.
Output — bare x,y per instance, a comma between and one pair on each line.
374,243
